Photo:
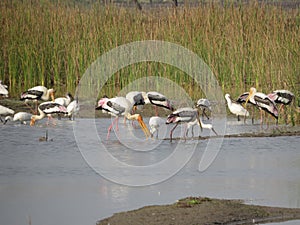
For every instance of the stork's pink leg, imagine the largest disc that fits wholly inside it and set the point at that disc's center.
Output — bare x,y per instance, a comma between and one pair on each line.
110,127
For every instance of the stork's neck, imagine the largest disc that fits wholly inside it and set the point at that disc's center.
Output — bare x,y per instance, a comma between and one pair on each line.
229,102
41,116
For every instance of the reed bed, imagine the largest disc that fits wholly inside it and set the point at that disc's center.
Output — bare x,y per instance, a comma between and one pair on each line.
51,43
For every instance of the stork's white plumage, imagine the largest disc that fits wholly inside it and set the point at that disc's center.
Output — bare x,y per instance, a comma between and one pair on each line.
5,111
236,108
284,97
191,125
158,100
22,117
120,106
263,102
38,93
204,105
65,101
3,89
155,123
182,115
73,109
47,109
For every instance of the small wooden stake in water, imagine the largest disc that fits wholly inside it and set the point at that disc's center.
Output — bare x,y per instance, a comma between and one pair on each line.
44,138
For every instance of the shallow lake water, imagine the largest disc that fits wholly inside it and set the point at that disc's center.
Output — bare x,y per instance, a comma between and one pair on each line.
58,181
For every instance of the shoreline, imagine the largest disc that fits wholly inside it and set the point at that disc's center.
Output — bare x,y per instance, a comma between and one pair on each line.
203,210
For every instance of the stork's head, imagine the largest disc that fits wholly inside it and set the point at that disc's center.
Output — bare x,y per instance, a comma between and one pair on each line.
251,94
51,92
101,102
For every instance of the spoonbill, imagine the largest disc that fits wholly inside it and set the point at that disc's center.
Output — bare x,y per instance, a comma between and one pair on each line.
155,122
118,106
236,108
22,117
183,115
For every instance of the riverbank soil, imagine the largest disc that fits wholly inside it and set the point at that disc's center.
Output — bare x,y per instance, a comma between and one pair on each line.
204,211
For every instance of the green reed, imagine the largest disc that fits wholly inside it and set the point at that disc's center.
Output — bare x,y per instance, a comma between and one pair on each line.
52,44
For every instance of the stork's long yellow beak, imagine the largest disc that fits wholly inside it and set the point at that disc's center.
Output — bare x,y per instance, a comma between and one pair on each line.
52,96
247,99
144,126
32,122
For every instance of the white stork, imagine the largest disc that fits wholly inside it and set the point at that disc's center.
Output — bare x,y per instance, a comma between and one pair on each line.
263,102
183,115
236,108
120,106
47,109
155,123
204,105
3,89
158,100
5,111
22,117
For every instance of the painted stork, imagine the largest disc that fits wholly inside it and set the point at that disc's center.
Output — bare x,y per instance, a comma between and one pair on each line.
5,111
22,117
72,109
236,108
158,100
203,125
47,109
263,102
154,123
65,101
120,106
282,97
204,105
3,89
183,115
37,93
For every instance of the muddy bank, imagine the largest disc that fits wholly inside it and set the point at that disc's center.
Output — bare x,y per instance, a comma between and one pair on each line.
198,210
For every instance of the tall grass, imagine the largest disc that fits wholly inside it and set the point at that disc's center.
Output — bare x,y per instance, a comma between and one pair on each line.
52,44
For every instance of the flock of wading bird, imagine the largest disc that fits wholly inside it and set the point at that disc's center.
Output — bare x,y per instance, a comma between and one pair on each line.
134,100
